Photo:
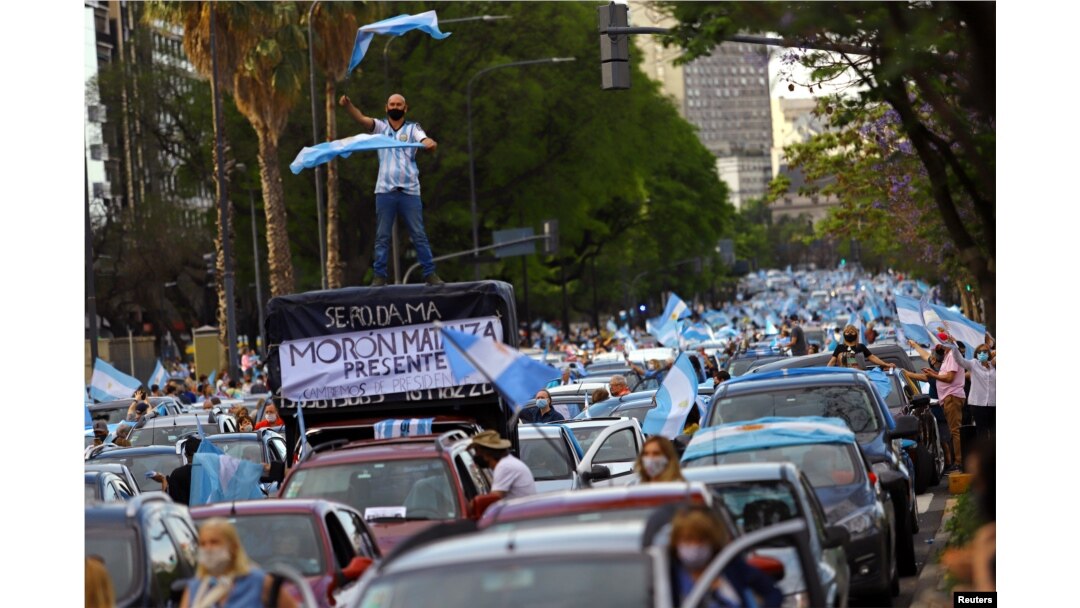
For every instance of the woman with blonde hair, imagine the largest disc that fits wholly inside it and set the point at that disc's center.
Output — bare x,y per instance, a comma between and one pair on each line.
225,577
658,461
697,537
99,589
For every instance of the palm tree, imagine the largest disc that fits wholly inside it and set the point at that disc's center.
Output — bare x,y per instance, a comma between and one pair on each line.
335,24
266,85
233,41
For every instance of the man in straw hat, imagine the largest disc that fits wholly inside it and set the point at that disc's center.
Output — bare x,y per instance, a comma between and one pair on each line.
513,478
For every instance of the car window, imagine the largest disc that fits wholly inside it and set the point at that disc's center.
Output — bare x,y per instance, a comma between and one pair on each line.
416,488
467,483
479,480
91,491
637,413
114,415
547,458
162,435
290,539
122,490
251,451
825,464
815,506
277,449
585,435
619,447
851,404
108,493
117,547
755,505
140,464
186,539
355,530
164,561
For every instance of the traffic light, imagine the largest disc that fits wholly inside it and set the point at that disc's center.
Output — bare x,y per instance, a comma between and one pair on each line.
551,231
211,265
614,49
843,262
969,287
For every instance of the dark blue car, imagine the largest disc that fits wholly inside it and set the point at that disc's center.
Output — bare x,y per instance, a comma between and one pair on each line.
842,393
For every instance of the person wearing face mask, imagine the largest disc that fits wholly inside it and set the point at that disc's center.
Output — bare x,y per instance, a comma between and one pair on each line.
852,348
512,478
658,461
270,418
545,413
982,396
697,536
244,424
397,191
934,359
226,577
951,393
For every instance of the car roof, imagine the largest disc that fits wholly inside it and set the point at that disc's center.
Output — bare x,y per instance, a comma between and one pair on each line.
578,539
531,431
764,433
784,379
576,388
264,507
739,473
569,502
119,452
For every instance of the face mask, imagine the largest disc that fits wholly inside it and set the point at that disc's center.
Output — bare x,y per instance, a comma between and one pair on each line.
271,418
246,428
541,403
850,337
694,556
215,560
654,465
983,357
395,114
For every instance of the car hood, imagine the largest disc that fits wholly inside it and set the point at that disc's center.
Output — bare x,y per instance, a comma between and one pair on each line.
389,534
840,501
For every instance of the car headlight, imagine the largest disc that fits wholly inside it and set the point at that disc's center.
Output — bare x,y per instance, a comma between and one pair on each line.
860,522
796,600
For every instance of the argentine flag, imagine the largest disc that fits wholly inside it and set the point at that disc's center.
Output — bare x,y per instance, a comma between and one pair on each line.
911,321
313,156
676,396
408,427
219,477
515,376
962,328
159,377
676,309
108,383
426,22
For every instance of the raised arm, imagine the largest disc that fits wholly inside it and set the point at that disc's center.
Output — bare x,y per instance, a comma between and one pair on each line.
366,122
925,354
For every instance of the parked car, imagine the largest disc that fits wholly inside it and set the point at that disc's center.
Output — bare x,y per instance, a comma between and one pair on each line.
147,544
104,486
116,468
742,362
927,454
552,454
760,495
114,412
319,538
607,407
889,353
825,450
401,486
263,447
167,430
842,393
140,460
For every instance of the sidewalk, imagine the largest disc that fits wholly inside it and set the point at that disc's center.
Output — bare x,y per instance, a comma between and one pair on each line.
930,591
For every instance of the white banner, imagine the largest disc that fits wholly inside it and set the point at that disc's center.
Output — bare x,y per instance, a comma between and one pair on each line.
376,362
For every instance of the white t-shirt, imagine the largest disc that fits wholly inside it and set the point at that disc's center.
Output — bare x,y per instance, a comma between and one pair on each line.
513,477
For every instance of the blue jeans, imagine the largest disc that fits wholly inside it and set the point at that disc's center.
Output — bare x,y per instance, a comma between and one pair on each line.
388,205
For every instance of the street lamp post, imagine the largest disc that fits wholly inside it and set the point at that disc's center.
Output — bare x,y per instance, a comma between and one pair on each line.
386,80
320,196
472,163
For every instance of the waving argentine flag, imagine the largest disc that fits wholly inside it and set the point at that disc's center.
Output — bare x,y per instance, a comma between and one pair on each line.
676,396
159,377
676,309
427,22
911,321
515,376
219,477
109,383
312,156
962,328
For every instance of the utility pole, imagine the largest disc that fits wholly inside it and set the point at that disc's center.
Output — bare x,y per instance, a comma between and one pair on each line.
91,296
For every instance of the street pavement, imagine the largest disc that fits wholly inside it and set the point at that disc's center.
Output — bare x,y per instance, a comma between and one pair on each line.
931,510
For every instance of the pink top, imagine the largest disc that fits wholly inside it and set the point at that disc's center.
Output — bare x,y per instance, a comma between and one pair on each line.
956,387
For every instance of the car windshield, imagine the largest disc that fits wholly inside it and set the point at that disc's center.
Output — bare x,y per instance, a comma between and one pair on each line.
638,412
739,367
758,504
141,463
547,458
117,548
585,435
113,415
849,403
607,515
250,450
825,464
292,540
419,488
893,399
563,580
162,435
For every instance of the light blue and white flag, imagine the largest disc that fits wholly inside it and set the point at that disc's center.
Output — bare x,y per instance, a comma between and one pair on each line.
219,477
515,376
677,395
611,326
212,377
159,377
313,156
931,321
676,309
407,427
910,320
962,328
692,333
548,330
426,22
108,383
881,382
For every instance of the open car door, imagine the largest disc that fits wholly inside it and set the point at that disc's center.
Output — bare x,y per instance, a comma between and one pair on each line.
610,459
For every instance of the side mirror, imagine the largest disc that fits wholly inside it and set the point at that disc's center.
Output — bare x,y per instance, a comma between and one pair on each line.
907,427
836,536
599,472
769,565
920,400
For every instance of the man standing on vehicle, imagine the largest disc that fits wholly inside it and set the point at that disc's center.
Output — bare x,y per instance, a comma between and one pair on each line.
798,339
852,348
397,191
513,479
